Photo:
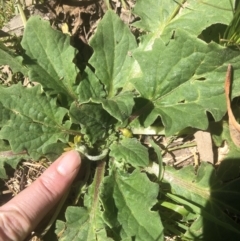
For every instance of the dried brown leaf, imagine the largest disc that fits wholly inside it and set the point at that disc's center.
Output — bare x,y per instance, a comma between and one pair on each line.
234,127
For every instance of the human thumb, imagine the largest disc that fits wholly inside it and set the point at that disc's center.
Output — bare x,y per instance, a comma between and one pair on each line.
21,214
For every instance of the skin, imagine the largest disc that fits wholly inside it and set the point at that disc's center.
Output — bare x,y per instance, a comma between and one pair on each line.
22,214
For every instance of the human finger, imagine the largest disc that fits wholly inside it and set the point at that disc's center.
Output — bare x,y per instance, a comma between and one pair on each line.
21,214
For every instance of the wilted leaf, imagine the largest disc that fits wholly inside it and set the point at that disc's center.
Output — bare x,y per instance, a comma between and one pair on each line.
234,126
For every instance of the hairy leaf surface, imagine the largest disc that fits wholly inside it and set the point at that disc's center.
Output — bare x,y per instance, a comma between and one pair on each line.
90,87
119,106
14,61
208,192
130,150
165,16
85,223
112,44
185,80
50,57
133,196
32,125
94,120
7,157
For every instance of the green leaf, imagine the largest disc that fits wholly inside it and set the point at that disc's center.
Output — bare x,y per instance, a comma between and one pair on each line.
80,226
133,196
201,229
166,16
8,158
130,150
193,16
49,57
158,152
35,120
54,150
11,59
111,44
209,194
185,80
4,115
94,120
119,106
85,223
89,87
156,18
229,166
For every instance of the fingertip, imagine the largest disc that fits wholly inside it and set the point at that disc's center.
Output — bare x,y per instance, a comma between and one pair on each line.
69,163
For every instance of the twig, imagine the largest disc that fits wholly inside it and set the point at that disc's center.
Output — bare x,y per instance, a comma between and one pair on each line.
181,147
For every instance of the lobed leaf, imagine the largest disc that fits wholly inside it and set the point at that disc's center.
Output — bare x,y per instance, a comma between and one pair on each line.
89,87
8,158
192,16
49,57
155,18
185,75
11,59
32,125
112,44
80,226
164,17
85,223
132,195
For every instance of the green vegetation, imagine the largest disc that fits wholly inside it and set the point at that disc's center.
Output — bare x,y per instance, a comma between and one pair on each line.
7,10
171,76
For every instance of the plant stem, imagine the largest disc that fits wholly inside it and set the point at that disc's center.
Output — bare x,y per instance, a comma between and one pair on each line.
23,17
177,10
181,147
98,177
